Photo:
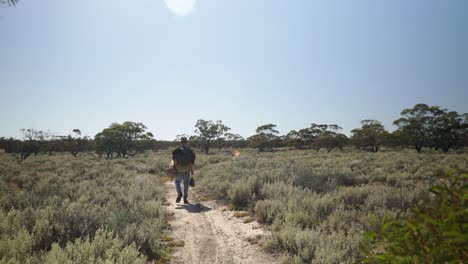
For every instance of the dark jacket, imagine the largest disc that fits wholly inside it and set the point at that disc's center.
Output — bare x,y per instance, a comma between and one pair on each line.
192,157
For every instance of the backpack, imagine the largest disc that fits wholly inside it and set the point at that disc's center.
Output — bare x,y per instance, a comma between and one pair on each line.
183,156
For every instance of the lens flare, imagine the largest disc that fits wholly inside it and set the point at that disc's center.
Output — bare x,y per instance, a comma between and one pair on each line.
180,7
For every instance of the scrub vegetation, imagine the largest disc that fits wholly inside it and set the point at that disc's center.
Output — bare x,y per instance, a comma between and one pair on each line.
317,200
86,210
434,232
319,205
61,209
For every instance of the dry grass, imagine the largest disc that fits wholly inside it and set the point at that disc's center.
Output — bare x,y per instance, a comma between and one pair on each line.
167,238
179,243
249,219
163,178
254,239
240,214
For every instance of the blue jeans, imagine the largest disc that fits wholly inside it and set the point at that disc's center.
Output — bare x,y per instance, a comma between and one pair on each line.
182,176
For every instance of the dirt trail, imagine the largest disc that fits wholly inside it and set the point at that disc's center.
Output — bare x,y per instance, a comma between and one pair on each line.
210,233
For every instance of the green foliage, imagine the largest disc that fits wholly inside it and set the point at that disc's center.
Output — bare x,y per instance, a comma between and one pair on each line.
103,248
121,139
449,130
265,138
420,127
370,136
432,126
317,136
75,144
208,130
330,141
435,231
327,136
33,142
296,139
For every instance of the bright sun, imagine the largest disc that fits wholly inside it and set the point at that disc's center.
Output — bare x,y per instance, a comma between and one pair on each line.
180,7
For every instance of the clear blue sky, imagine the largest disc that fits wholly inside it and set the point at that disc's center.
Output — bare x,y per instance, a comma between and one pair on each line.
86,64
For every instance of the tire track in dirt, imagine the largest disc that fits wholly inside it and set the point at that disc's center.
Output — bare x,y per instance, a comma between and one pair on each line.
210,233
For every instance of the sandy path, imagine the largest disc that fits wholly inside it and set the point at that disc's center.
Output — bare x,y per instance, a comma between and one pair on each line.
211,234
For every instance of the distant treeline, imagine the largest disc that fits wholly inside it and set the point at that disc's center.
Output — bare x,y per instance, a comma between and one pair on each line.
419,127
119,140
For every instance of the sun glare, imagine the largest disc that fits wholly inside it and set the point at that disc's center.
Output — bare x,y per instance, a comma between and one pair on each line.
180,7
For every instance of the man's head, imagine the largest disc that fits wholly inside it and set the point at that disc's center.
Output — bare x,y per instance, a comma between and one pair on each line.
183,141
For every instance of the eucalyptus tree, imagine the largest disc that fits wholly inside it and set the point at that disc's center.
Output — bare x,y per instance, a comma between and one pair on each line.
449,131
327,136
8,3
209,131
301,138
33,142
431,126
232,139
416,125
370,136
294,139
10,145
76,144
121,139
265,138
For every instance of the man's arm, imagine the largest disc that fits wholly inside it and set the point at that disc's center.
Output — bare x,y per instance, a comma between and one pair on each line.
193,162
174,152
193,157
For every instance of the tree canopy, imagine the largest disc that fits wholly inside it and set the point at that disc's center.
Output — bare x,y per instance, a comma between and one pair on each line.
421,126
265,138
432,126
121,139
208,131
370,136
8,2
327,136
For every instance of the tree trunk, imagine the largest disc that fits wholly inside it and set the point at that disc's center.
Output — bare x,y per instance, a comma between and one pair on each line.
207,146
418,149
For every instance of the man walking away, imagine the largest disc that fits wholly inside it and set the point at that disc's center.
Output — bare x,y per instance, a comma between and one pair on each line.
184,159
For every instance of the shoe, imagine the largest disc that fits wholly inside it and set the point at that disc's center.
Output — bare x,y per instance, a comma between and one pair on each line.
178,198
186,201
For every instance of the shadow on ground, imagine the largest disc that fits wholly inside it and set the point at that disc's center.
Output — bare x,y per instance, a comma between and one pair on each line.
193,208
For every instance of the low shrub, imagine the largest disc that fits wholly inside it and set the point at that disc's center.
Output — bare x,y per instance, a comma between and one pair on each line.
245,192
104,247
312,246
317,205
434,232
64,202
266,211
